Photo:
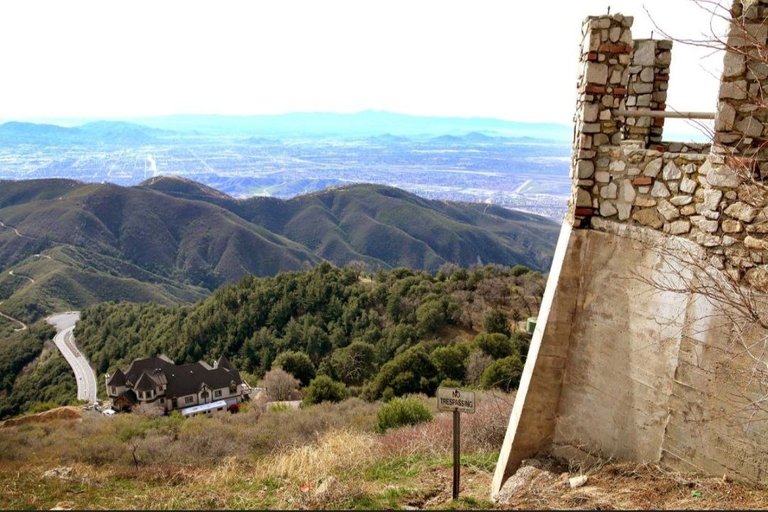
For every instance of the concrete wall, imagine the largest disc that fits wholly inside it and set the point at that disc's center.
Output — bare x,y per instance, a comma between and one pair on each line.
652,340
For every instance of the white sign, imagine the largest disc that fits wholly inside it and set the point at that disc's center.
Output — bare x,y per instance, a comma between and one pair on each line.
454,399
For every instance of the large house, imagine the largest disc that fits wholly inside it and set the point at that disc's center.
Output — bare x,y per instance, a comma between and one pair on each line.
160,382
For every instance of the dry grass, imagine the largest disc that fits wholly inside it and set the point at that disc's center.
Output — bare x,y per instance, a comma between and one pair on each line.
324,457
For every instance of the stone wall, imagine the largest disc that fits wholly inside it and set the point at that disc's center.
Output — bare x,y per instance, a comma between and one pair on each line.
620,365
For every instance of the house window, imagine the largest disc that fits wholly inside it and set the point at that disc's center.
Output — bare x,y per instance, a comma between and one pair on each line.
217,393
188,400
114,390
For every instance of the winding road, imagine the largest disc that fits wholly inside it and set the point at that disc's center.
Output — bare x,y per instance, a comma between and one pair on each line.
16,321
65,341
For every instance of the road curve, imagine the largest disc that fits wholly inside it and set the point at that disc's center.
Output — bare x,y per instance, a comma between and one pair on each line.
14,320
65,341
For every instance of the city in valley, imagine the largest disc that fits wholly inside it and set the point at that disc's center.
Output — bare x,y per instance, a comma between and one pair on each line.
468,164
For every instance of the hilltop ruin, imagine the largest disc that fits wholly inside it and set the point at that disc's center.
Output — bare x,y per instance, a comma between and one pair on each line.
652,339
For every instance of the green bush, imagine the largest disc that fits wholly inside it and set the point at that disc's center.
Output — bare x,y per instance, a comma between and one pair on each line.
402,411
409,372
297,364
324,389
497,321
450,361
496,345
503,374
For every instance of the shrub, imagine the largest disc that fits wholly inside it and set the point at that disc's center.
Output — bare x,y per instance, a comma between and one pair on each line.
402,411
497,321
324,389
280,385
297,364
409,372
496,345
503,374
450,361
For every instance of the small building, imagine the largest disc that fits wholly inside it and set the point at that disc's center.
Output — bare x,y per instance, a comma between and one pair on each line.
159,382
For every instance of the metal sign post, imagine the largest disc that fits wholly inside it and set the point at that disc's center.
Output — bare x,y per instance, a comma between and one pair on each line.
457,401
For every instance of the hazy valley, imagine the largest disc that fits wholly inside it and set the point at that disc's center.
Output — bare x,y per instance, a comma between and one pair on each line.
521,166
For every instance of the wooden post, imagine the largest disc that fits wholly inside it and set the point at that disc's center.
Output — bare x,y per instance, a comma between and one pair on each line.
456,452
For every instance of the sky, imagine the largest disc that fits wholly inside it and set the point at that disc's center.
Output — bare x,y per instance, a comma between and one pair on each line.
507,59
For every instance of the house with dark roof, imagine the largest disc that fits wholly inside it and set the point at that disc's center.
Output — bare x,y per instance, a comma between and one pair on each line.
160,382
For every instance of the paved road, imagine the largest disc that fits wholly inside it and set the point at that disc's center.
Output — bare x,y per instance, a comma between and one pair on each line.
86,378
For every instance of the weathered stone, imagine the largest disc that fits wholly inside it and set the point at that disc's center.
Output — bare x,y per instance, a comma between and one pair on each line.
677,227
646,75
758,228
652,168
733,64
722,176
726,116
627,192
712,199
602,177
633,171
757,244
758,278
644,100
741,211
705,212
668,211
755,195
609,191
707,240
671,171
617,166
648,217
717,262
583,198
597,74
735,90
690,168
687,185
589,112
642,88
585,169
625,209
645,53
688,210
708,226
750,127
659,190
731,226
577,481
645,201
607,209
681,200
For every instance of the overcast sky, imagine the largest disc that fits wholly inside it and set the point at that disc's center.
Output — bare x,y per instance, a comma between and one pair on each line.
508,59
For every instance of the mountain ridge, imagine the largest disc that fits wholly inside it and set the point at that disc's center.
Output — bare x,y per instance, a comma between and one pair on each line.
178,239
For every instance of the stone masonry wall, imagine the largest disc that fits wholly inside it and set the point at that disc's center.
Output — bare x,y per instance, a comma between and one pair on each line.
623,172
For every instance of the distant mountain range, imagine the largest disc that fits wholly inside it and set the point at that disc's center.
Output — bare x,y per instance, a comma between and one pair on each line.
66,244
357,125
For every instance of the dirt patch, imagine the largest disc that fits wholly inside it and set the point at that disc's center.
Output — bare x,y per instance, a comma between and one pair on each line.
542,485
59,413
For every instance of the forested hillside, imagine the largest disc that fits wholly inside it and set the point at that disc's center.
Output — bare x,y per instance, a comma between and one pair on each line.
388,333
68,245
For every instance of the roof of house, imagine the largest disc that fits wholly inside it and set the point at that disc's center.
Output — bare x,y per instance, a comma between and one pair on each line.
139,366
188,379
146,383
118,379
